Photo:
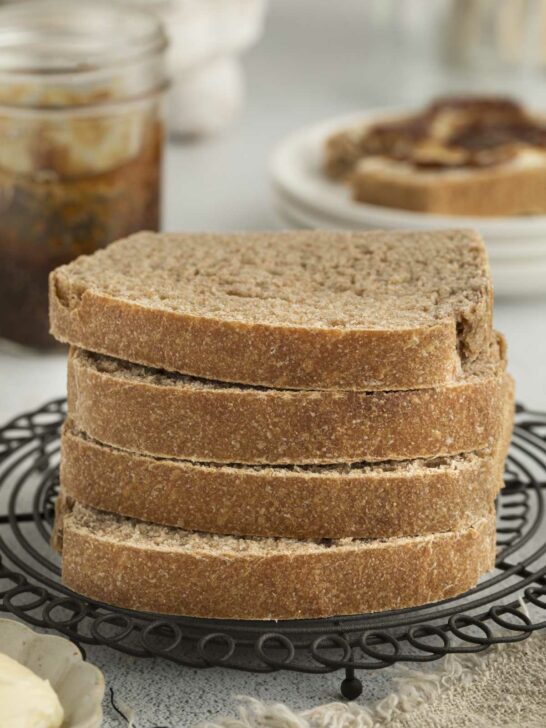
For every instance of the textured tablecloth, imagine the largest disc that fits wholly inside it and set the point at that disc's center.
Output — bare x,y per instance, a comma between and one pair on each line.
507,687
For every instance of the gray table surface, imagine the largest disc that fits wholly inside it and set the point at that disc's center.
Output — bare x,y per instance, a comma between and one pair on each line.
317,59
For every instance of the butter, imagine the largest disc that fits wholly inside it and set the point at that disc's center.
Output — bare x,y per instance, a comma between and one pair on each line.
26,701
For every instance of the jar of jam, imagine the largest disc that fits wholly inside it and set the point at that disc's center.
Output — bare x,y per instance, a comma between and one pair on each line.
81,135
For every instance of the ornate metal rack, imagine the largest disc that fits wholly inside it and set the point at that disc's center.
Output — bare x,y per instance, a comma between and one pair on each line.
506,606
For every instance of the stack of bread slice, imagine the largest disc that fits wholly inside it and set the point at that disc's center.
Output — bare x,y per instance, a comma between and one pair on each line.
280,425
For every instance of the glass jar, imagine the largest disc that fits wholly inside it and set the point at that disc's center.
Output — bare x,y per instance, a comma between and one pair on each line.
81,136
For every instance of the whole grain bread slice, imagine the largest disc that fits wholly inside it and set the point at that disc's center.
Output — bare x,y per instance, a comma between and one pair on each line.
515,187
171,415
301,310
155,568
382,500
474,155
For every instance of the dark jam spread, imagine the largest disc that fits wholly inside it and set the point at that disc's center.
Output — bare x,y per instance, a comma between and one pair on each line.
459,132
480,136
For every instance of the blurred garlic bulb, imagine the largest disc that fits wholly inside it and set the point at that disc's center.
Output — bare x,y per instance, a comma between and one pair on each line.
207,38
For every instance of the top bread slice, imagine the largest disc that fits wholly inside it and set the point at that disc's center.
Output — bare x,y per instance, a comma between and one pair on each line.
294,310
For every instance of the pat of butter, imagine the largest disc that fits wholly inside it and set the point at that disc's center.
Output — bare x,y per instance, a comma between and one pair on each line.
26,701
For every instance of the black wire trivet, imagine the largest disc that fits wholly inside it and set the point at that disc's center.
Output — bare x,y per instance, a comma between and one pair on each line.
502,608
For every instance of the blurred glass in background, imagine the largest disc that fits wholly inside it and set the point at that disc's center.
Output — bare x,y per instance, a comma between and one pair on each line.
81,89
466,45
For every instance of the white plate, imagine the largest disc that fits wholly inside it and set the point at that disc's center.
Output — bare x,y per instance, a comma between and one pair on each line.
79,685
296,172
511,276
310,216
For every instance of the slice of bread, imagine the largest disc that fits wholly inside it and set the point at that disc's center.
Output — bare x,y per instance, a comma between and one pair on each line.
384,500
474,155
146,567
515,187
300,310
171,415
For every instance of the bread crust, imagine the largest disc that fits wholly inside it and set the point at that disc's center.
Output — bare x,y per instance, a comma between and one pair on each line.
273,355
303,359
369,577
383,502
497,191
228,424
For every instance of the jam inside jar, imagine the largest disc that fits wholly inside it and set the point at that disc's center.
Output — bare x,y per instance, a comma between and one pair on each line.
81,137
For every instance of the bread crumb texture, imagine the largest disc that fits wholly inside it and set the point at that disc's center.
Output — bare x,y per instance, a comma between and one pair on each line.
325,310
313,279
